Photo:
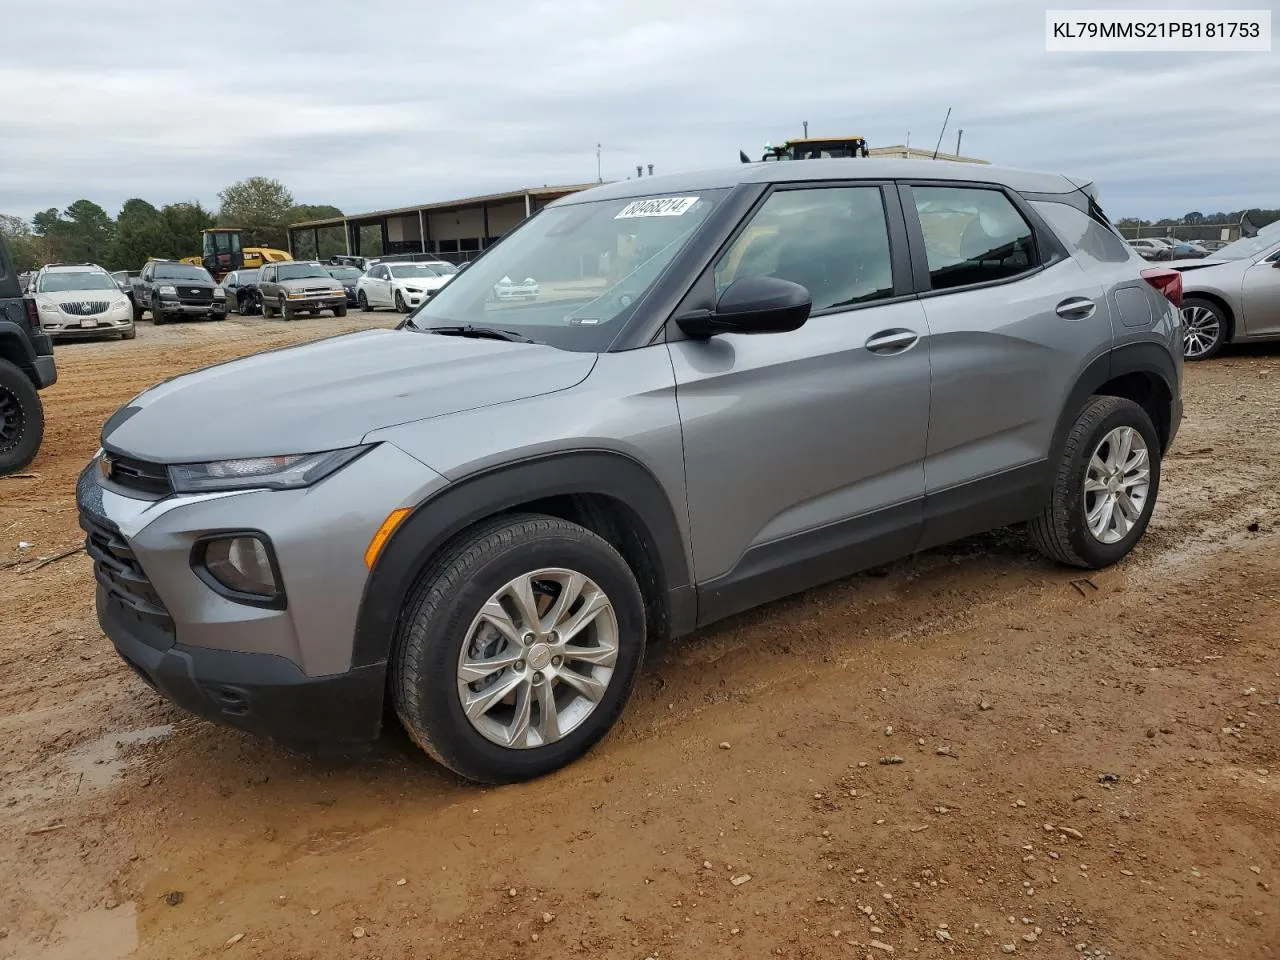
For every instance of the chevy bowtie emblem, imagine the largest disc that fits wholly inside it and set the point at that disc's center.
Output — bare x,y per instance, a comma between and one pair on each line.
104,465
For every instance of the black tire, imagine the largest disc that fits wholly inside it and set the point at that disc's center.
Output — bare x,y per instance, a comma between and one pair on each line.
129,334
362,302
21,419
401,306
286,311
1191,306
1061,532
340,310
137,313
448,596
157,315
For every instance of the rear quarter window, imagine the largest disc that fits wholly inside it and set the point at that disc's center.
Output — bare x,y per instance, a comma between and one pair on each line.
1081,233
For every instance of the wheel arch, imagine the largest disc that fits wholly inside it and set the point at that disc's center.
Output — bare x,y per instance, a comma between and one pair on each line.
16,348
1142,372
607,492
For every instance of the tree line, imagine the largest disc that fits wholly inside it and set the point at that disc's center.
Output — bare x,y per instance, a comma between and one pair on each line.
84,232
1204,225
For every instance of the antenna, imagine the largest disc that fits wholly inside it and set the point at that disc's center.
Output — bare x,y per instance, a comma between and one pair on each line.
941,132
806,128
959,134
599,175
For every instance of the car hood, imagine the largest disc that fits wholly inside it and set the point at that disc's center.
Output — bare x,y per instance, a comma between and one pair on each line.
328,394
424,283
81,296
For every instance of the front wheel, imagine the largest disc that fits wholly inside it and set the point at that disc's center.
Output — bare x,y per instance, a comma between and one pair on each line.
363,302
286,311
519,648
400,304
21,419
340,310
1105,487
129,334
1204,329
157,315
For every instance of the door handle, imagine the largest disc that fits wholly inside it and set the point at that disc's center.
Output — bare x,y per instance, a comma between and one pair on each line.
1076,308
892,341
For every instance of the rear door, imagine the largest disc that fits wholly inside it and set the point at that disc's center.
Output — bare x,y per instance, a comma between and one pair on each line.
1013,321
1260,296
804,450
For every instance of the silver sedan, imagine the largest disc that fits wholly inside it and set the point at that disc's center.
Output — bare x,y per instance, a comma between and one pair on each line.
1231,296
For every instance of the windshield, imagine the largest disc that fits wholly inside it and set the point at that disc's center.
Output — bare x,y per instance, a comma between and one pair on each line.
300,271
402,271
572,275
344,273
181,271
1248,247
86,280
244,277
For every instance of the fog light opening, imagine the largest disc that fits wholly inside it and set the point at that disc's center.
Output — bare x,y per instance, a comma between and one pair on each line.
241,567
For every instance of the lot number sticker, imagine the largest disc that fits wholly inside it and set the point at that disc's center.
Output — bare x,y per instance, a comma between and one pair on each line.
657,207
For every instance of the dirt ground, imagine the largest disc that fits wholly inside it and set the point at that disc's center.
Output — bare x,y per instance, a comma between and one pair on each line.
971,753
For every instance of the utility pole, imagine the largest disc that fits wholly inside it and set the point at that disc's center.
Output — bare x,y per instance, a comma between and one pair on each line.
959,134
806,128
599,175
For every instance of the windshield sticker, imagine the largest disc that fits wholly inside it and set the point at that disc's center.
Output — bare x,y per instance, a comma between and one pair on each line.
657,207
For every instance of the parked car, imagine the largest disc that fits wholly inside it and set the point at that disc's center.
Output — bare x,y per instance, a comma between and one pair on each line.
26,367
402,285
1153,248
486,513
1232,296
173,290
1188,250
81,300
302,286
125,280
241,288
508,289
347,276
1212,245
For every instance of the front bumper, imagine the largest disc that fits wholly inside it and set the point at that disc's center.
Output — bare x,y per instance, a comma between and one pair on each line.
289,672
81,332
175,308
256,692
317,303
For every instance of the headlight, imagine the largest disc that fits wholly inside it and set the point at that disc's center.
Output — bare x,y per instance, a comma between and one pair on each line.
412,290
47,305
123,306
296,295
168,290
272,473
219,292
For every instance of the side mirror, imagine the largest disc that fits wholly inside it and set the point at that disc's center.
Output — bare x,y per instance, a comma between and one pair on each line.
463,266
752,305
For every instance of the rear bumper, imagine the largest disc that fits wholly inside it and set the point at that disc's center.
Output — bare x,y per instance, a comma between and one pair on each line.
256,692
46,372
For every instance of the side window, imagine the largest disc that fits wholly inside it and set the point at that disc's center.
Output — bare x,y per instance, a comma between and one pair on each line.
972,235
1082,233
833,241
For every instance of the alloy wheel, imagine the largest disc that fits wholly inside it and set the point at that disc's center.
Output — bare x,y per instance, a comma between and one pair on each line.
1201,330
537,658
1116,484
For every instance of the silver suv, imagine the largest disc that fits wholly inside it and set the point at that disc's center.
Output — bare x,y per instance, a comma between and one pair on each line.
730,387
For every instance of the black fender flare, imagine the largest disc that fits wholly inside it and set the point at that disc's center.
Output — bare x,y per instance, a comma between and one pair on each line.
466,502
1147,358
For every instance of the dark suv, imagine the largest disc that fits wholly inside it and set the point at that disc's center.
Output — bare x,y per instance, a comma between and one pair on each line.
26,365
171,289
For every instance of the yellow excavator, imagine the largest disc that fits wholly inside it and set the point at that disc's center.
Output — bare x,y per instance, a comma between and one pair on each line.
222,251
811,148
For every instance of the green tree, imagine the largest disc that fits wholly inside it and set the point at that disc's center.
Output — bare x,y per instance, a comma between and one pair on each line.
21,242
89,232
141,232
185,222
260,207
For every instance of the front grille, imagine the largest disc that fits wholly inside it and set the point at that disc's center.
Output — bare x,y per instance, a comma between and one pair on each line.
319,291
195,295
117,569
84,308
139,475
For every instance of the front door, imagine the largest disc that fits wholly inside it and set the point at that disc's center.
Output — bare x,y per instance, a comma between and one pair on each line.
1260,296
804,451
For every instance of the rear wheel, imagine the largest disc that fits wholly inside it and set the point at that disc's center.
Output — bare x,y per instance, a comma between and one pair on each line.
267,312
21,419
1105,488
520,646
1204,329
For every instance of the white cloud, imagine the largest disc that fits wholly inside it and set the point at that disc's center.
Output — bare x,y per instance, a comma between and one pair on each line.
384,104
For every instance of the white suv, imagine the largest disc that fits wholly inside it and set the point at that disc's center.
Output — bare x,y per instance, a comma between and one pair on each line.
81,300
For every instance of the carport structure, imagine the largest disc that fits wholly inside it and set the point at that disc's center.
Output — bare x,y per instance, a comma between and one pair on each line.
454,230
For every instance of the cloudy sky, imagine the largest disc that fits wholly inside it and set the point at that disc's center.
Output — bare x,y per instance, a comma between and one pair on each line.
374,104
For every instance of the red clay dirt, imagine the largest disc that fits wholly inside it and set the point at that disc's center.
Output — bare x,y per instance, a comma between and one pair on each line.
1081,766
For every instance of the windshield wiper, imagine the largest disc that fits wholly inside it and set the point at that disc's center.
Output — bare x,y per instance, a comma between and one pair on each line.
481,333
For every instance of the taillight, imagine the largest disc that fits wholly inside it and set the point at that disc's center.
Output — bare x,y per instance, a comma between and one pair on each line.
32,313
1167,281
